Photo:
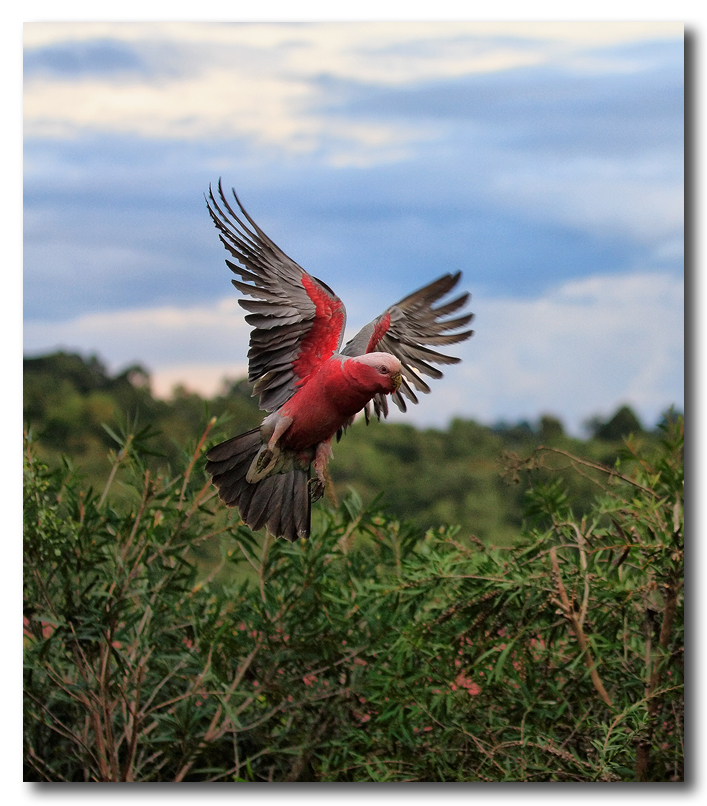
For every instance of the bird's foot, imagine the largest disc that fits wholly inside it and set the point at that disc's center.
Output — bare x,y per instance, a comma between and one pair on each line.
318,485
263,460
262,465
316,489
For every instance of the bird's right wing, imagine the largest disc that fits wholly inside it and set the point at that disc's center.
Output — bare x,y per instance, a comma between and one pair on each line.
298,321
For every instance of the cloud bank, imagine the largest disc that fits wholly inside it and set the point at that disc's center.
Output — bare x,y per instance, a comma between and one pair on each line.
573,352
278,84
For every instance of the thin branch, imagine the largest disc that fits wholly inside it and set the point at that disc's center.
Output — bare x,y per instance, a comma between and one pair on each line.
343,541
602,468
195,456
267,541
62,730
132,726
581,544
245,554
571,616
669,611
146,709
198,498
122,453
43,768
141,511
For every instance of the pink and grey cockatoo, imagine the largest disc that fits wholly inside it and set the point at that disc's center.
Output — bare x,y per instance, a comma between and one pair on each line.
311,387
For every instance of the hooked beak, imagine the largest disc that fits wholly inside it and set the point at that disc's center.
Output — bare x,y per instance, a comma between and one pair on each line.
397,379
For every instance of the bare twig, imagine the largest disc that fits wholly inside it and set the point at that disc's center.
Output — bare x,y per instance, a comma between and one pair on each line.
571,616
343,541
122,453
267,541
581,545
601,468
43,768
195,456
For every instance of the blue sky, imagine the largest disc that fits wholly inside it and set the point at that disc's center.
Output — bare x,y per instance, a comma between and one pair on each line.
543,160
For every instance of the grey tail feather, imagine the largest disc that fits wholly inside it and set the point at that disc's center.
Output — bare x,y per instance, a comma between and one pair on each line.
280,502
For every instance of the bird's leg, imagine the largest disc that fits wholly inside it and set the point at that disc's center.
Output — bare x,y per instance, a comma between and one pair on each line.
265,461
321,460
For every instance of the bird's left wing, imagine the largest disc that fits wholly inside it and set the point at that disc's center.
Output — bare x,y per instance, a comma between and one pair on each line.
298,321
407,329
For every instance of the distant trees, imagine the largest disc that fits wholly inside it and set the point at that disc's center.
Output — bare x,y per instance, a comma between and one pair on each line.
429,476
622,424
550,429
68,398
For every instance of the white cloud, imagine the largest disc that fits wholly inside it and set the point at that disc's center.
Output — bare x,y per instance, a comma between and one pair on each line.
582,349
206,379
217,103
640,196
335,37
262,81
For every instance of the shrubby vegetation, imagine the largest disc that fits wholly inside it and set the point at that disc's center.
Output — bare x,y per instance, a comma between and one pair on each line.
375,651
429,476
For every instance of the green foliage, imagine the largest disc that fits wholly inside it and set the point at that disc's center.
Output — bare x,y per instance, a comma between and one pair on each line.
372,652
69,400
430,476
622,424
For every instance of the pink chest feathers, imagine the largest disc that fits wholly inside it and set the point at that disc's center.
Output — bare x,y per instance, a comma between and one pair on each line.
327,400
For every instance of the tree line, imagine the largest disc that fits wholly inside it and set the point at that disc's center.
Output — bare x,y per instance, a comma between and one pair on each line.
76,408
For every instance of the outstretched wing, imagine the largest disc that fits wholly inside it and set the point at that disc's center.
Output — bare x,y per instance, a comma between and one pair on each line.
407,329
298,321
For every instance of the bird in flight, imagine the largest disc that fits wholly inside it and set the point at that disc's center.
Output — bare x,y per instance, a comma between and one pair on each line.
311,387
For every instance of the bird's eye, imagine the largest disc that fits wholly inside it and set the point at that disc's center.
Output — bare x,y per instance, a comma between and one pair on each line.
383,370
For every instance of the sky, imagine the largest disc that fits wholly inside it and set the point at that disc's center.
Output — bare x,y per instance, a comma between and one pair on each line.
543,160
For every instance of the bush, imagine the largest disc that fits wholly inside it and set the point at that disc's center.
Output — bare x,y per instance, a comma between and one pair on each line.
371,652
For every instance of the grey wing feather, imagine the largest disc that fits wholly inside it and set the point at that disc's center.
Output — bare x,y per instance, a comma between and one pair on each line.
281,311
414,325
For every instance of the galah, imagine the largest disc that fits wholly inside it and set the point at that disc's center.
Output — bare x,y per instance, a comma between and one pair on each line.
311,387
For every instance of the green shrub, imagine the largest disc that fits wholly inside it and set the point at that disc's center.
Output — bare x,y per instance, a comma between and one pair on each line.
371,652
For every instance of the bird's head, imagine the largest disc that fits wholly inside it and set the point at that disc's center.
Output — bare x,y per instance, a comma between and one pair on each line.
377,372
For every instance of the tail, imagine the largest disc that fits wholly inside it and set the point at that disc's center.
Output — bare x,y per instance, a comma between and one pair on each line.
279,502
